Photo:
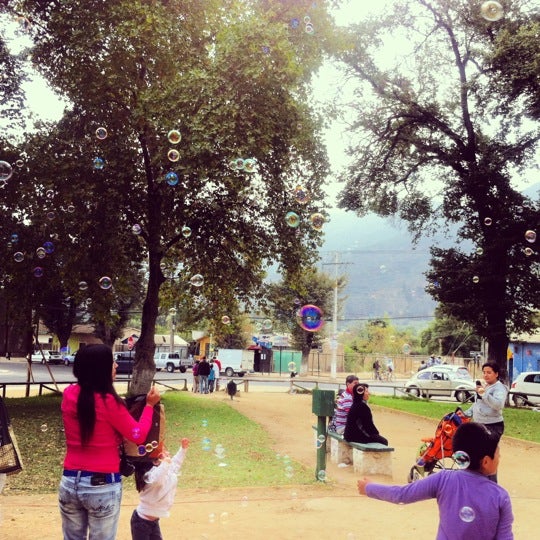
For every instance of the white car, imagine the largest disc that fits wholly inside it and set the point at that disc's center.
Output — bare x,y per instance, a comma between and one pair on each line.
51,357
442,380
524,388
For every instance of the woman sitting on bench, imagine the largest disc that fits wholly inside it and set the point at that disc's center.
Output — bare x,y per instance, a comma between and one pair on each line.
360,427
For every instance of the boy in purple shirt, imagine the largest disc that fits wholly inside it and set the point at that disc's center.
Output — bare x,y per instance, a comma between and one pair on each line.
470,504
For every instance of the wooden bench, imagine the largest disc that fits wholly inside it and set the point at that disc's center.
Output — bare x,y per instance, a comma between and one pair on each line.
366,458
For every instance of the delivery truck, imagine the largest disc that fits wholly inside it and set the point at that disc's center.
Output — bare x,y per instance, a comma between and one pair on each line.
235,361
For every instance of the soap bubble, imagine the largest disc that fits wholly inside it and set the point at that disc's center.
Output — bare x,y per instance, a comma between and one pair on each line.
19,163
101,133
14,238
38,272
48,247
530,236
6,171
491,11
307,19
99,163
186,231
488,221
50,215
301,195
476,279
174,136
479,251
462,459
41,253
291,366
226,319
249,165
136,432
244,501
321,475
265,49
204,423
71,208
224,517
49,194
148,447
321,438
310,318
292,219
294,23
44,428
105,283
317,221
171,178
528,251
406,348
211,518
197,280
310,29
266,324
141,450
154,444
136,229
173,155
467,514
19,256
83,285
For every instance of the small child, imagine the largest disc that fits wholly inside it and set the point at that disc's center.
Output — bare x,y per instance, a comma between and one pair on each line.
156,482
470,504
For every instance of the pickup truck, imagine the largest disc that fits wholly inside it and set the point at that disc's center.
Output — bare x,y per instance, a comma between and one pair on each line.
171,361
51,357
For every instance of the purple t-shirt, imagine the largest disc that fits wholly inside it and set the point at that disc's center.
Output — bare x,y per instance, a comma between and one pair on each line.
470,505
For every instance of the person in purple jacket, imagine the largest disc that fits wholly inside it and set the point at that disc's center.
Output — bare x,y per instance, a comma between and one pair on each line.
470,504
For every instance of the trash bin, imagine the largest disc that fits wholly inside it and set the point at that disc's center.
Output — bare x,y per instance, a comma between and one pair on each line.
323,402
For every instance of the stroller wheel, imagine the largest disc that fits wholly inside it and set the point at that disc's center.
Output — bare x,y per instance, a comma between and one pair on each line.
414,474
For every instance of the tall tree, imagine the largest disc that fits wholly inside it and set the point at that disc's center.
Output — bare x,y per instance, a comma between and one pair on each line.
185,93
432,145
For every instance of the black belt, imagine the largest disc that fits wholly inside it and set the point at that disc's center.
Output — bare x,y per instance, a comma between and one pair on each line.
96,478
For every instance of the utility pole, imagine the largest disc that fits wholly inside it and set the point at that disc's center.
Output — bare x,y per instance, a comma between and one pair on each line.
333,339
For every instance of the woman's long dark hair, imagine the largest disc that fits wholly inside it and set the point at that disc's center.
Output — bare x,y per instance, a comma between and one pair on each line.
93,370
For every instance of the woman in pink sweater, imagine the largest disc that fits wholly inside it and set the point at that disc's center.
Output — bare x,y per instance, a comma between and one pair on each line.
95,421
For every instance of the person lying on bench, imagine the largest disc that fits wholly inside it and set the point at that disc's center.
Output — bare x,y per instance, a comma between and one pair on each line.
360,427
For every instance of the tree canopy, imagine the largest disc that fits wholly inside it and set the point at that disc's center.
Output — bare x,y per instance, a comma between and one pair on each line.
434,144
188,132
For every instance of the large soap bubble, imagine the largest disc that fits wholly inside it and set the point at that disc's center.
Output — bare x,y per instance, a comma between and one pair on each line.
491,11
197,280
174,136
530,236
6,171
310,318
292,219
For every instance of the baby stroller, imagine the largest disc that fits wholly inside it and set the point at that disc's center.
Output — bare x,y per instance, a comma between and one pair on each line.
435,453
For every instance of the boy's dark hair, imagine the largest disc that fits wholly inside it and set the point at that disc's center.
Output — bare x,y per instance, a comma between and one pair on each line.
141,468
477,441
493,365
350,379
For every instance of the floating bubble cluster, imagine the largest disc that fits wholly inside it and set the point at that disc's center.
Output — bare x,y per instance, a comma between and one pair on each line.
243,164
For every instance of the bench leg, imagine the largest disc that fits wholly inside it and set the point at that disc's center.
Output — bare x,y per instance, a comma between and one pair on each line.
340,452
379,463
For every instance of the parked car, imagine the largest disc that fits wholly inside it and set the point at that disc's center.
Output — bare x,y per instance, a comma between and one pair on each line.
442,380
171,361
125,362
69,359
524,387
51,357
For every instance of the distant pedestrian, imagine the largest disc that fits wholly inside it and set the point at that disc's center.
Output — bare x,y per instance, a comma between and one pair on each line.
204,371
195,376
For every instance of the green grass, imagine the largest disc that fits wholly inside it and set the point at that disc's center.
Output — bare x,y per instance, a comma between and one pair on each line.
248,453
250,460
519,423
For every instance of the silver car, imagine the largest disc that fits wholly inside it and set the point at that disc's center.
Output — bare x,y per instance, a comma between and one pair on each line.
442,380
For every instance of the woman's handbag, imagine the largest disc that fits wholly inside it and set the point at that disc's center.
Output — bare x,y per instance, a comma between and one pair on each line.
10,460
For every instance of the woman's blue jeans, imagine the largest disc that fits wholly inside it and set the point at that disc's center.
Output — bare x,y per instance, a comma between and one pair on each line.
89,511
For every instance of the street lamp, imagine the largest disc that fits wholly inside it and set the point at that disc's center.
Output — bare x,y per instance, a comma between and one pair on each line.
172,313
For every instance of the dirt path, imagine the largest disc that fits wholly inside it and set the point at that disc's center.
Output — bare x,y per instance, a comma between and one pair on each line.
322,511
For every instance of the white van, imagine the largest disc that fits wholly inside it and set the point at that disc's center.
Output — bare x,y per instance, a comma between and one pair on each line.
171,361
235,361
